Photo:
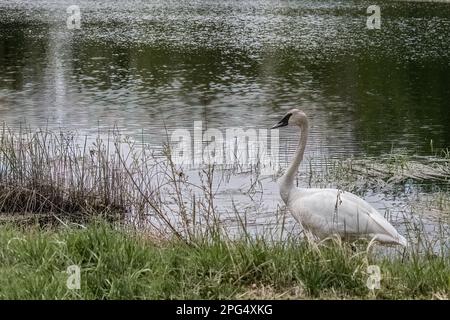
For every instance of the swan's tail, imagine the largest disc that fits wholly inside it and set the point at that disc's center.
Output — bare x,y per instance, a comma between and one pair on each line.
391,239
402,241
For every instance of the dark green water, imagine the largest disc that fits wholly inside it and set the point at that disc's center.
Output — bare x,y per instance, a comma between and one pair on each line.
138,64
143,65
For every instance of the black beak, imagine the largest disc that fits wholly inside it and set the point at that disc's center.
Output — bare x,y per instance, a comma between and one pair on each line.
278,125
283,122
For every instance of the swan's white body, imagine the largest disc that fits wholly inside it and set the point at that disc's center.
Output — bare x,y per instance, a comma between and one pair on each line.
328,212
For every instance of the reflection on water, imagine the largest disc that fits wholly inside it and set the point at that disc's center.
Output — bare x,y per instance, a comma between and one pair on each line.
142,65
231,63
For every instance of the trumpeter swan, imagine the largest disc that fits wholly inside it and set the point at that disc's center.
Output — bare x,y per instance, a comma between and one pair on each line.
327,212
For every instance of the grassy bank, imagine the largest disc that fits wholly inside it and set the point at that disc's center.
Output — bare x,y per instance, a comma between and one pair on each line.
120,264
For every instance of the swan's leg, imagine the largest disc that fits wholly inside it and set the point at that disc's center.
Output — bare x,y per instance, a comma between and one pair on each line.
310,238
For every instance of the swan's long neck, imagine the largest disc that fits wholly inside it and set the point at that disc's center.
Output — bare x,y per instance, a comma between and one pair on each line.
287,180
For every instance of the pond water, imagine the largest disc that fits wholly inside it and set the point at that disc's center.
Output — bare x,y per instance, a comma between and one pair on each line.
144,66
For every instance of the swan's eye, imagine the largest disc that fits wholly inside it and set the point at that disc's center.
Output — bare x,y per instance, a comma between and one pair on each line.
285,119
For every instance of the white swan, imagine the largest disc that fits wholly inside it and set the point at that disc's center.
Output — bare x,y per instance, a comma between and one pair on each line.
327,212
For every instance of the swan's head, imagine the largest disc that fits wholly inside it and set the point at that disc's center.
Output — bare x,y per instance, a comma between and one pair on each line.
294,117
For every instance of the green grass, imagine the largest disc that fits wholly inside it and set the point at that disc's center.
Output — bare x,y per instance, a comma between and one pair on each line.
122,264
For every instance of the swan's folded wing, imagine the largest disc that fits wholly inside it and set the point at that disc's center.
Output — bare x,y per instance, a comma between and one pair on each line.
328,211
